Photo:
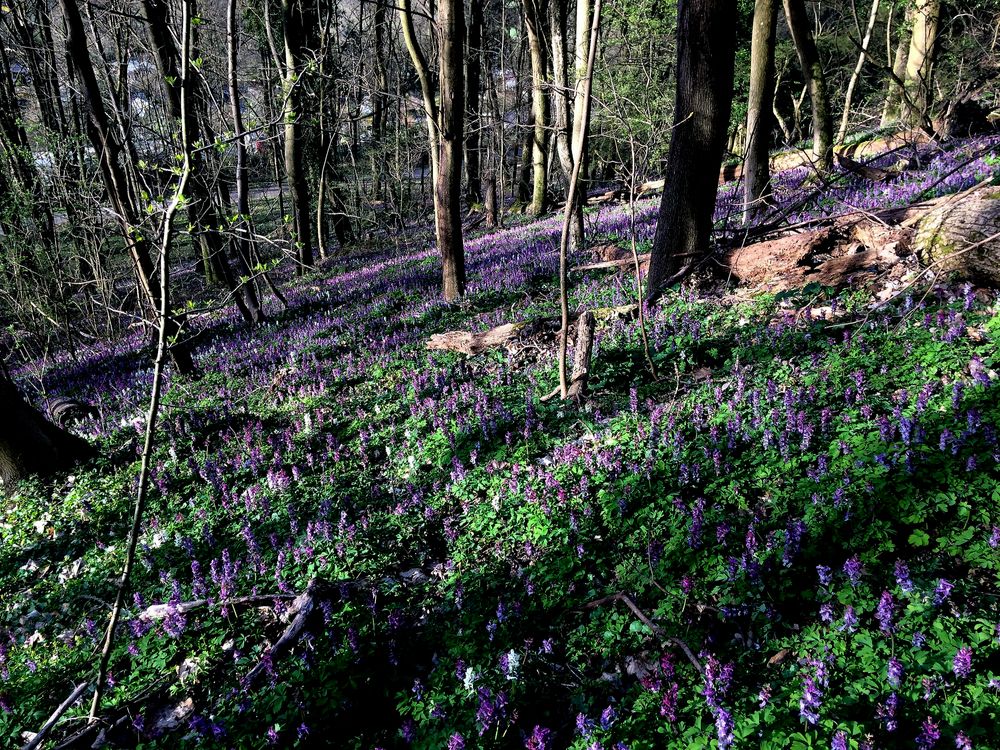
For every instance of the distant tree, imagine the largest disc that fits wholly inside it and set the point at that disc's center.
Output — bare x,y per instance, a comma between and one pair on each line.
917,89
294,29
706,47
815,78
535,17
856,74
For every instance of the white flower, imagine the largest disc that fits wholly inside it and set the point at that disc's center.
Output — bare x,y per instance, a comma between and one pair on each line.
470,680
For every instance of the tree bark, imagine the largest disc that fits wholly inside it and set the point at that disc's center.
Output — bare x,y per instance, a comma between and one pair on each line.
963,237
757,173
812,72
917,91
534,23
29,443
293,29
706,46
473,85
894,94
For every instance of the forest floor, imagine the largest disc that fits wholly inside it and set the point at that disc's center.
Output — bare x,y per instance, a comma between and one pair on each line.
787,538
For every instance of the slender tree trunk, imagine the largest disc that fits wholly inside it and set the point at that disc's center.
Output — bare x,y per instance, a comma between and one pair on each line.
757,172
812,72
110,152
203,214
862,55
293,32
706,42
445,132
919,62
30,443
534,22
894,94
578,142
558,15
473,85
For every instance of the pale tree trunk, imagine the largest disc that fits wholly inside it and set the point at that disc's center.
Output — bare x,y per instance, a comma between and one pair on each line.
105,141
706,49
812,72
558,12
757,172
534,23
894,93
445,133
919,60
293,32
842,132
30,443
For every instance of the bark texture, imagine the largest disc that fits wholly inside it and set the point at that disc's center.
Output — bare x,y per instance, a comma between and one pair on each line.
294,32
760,119
705,54
961,237
534,22
812,72
919,60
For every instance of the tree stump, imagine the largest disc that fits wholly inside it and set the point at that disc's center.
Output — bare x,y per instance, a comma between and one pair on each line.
581,357
963,237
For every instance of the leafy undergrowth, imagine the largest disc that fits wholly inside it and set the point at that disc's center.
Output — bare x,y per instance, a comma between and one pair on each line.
805,508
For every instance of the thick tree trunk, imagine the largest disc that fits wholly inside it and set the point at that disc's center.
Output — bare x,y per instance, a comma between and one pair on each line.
29,443
917,81
705,55
757,172
448,181
812,72
534,22
294,31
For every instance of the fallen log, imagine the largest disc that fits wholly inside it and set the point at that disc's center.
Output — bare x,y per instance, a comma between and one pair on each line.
581,357
617,263
963,237
873,174
467,342
36,739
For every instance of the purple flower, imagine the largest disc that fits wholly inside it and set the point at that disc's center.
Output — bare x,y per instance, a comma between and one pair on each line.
826,612
962,741
894,672
853,570
539,739
887,712
929,734
885,612
850,620
942,591
456,742
839,741
724,728
962,663
919,639
809,703
824,574
608,717
903,577
584,726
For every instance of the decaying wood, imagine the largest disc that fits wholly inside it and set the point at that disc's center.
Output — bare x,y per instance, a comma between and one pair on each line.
467,342
617,263
581,357
299,613
161,611
962,237
874,174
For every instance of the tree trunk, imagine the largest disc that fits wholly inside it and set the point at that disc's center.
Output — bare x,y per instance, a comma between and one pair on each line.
29,443
203,215
842,133
757,173
706,43
919,60
558,12
473,85
111,152
534,22
894,94
445,133
293,32
812,72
